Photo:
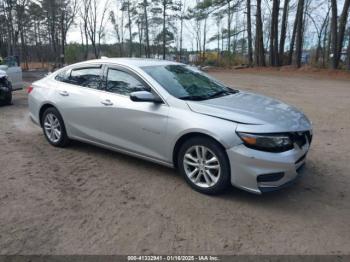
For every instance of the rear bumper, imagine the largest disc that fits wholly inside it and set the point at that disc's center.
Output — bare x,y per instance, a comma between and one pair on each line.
259,172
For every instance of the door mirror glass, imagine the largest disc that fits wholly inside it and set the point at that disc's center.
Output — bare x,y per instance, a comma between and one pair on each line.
145,96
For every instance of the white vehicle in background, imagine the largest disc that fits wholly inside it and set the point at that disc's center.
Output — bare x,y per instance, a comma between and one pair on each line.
11,66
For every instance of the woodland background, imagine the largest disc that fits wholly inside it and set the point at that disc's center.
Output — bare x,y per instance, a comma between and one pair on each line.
207,32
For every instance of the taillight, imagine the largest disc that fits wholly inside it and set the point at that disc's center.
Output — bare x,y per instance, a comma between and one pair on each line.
29,89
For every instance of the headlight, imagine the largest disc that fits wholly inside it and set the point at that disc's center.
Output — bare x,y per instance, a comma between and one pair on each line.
267,142
4,88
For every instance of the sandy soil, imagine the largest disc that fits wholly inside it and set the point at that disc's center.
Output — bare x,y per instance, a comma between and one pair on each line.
87,200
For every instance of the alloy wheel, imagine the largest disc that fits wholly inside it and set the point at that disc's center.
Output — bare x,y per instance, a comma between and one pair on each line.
52,128
202,166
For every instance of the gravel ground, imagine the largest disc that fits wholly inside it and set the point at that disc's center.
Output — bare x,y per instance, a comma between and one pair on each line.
87,200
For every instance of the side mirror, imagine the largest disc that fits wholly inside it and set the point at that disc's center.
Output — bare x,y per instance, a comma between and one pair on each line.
145,96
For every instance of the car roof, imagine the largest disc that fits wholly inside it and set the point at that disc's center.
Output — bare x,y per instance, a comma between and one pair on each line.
137,62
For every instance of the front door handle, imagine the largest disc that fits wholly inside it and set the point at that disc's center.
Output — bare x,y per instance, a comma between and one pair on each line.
107,102
64,93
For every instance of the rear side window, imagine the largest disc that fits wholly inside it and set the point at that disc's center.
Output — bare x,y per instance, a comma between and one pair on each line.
62,76
87,77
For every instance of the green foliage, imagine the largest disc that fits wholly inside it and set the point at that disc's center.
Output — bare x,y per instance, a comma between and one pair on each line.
74,53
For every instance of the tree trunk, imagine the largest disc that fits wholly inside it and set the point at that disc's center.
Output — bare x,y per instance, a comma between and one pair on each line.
130,34
63,39
145,4
229,28
325,48
341,34
292,42
204,38
334,34
259,41
274,34
164,28
348,53
283,31
299,35
181,34
218,55
249,29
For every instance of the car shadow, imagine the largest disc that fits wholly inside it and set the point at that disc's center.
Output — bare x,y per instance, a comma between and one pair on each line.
127,159
296,191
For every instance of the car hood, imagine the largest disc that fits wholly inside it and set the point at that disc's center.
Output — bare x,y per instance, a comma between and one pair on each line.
253,109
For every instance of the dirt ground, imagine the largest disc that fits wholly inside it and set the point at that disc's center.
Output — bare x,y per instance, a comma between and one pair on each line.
87,200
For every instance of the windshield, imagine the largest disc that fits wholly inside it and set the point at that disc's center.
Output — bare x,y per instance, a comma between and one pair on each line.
185,83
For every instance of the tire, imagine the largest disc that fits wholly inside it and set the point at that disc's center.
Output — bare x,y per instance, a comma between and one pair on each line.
212,183
52,122
8,99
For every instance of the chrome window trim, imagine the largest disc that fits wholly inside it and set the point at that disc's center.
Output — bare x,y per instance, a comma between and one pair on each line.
105,67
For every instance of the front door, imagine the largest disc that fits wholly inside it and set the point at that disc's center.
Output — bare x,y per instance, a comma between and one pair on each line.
139,127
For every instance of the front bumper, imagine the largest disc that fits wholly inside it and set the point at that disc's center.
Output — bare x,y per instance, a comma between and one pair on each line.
259,172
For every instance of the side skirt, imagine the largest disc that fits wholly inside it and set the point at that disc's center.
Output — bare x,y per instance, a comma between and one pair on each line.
124,151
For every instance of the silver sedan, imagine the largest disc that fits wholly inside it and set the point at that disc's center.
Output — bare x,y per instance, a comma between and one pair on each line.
178,116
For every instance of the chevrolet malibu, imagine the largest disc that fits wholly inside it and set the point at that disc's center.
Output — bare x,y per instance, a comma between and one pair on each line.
177,116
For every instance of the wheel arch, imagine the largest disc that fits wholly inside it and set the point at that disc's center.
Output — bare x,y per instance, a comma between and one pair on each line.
43,108
185,137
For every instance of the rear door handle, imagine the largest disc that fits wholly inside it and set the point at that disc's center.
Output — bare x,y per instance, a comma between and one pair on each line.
64,93
107,102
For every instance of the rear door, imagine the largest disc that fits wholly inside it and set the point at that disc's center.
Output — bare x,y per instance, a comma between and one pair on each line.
78,97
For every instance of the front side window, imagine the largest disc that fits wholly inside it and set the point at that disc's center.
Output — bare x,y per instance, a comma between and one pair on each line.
87,77
120,82
185,83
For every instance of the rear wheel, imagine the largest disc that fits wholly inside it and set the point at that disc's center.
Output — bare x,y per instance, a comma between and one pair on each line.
204,165
54,129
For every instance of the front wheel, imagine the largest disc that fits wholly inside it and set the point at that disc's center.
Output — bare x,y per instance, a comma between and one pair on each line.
204,165
8,100
53,127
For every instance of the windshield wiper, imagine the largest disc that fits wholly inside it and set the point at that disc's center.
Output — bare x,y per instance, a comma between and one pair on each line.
222,93
205,97
194,98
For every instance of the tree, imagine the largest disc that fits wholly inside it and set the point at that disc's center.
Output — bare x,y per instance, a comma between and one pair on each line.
320,30
84,14
116,28
299,33
126,7
68,10
145,13
283,31
230,7
274,34
348,50
249,30
182,16
202,10
95,25
338,35
259,38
